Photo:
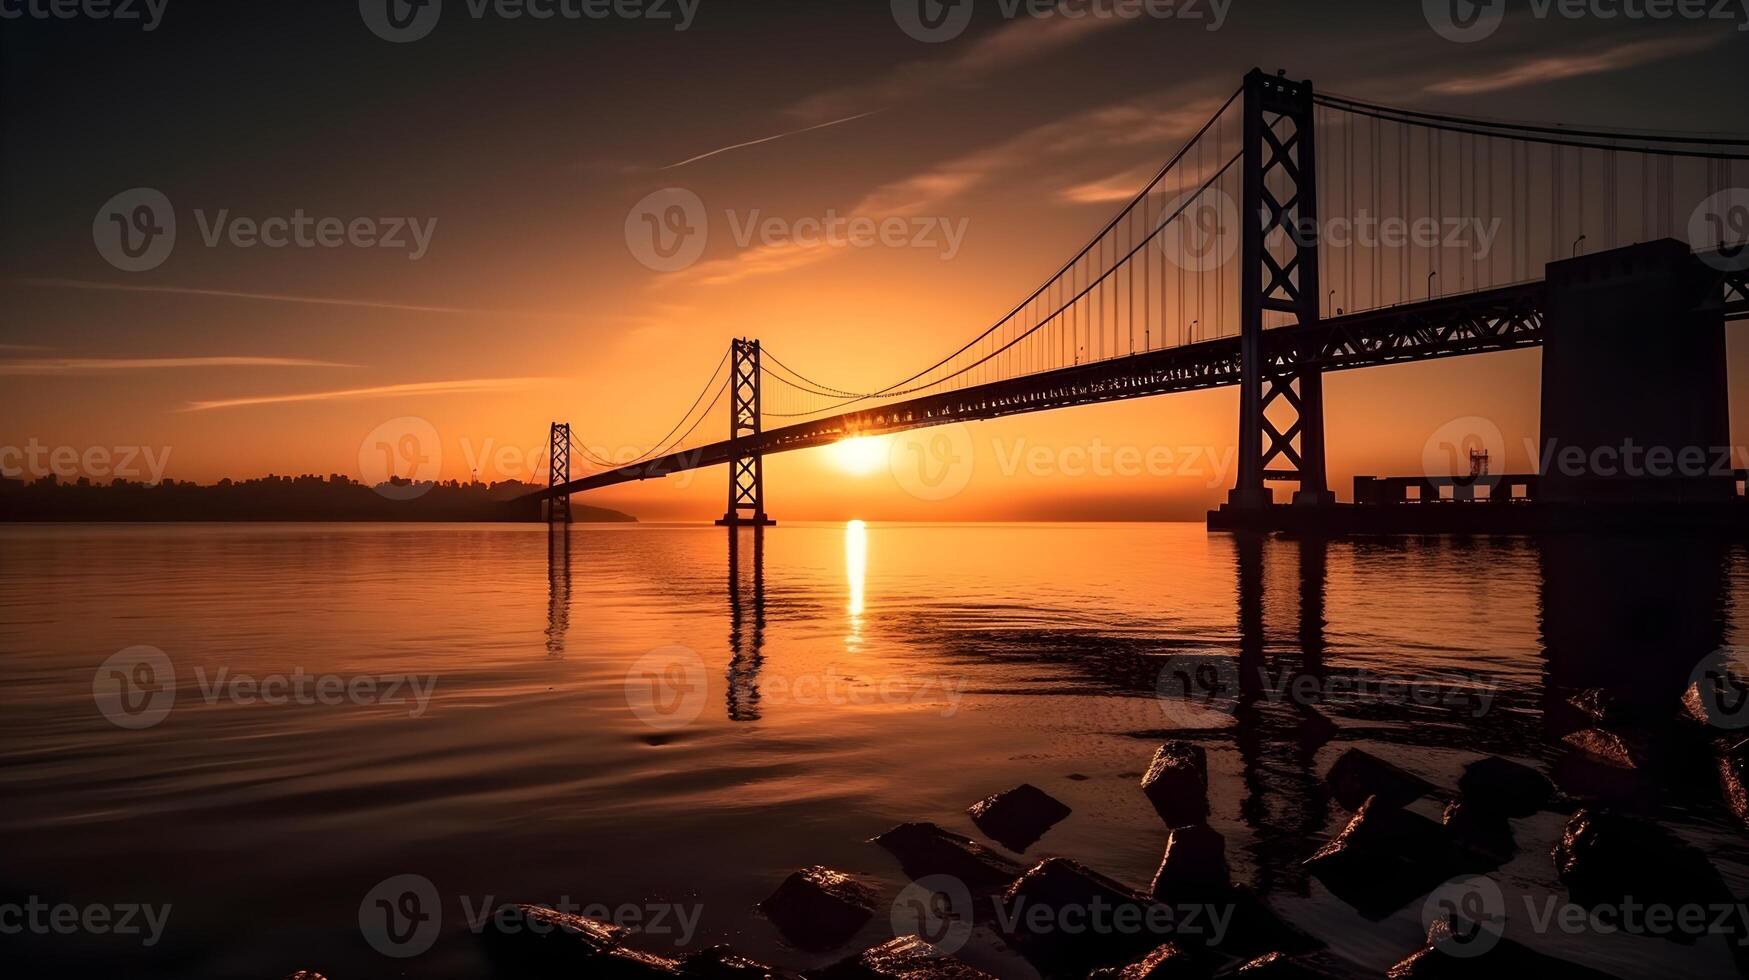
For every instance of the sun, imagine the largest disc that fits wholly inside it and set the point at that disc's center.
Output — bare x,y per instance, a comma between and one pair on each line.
859,455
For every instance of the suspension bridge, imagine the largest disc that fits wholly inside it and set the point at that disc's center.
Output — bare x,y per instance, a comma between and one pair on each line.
1297,233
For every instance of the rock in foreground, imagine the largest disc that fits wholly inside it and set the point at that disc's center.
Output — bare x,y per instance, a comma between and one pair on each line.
1018,818
1505,787
1357,775
1384,858
818,908
1194,868
1177,783
903,958
924,849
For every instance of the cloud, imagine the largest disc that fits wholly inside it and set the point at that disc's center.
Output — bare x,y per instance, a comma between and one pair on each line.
98,365
466,386
271,297
768,139
1059,153
1553,68
1013,44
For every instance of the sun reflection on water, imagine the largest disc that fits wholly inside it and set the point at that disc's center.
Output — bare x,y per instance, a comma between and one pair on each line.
855,573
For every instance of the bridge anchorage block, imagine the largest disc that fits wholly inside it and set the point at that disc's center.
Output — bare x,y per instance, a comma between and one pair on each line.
747,466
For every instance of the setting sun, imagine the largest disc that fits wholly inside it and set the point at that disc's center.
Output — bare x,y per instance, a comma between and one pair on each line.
861,455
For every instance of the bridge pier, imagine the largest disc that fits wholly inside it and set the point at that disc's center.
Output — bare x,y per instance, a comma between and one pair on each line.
559,473
1278,278
746,463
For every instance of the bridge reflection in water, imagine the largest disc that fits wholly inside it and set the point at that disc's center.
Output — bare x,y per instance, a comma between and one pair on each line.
746,620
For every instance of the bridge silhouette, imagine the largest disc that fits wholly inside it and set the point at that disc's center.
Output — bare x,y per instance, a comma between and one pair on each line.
1294,234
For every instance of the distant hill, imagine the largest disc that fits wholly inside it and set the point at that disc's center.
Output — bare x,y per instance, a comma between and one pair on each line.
279,498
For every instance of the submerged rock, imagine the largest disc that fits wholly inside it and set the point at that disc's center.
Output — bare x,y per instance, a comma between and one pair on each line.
723,963
1609,858
1280,966
1383,858
903,958
1484,833
1489,957
924,849
1177,783
1073,917
1357,775
1166,962
1609,748
1505,787
1194,867
819,908
536,940
1018,818
1733,768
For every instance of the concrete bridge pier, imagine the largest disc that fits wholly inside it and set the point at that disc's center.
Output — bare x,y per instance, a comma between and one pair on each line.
1635,406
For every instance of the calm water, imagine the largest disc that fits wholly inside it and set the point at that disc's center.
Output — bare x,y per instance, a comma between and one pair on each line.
849,678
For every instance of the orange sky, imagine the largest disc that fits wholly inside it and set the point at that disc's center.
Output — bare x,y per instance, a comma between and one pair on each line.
529,151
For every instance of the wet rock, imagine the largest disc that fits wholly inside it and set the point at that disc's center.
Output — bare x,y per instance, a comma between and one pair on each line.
1608,858
1280,966
1194,867
1166,962
1733,768
535,935
1068,916
924,849
1484,833
1357,775
1609,748
723,963
1018,818
306,975
818,908
1177,783
1253,928
1598,707
1383,858
1505,787
903,958
1489,957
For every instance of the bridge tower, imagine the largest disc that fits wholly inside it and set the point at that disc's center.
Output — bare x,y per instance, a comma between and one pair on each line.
559,473
1278,281
746,465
